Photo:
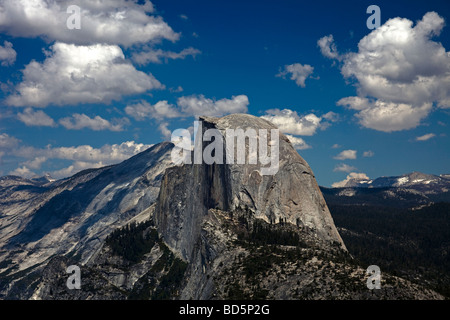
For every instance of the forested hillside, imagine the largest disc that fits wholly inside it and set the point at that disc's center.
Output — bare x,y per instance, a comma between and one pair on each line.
414,244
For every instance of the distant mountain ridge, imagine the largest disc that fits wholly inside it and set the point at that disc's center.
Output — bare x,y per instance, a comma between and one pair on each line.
428,183
405,180
410,190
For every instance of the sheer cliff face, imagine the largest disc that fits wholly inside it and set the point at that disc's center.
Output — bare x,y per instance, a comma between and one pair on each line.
290,194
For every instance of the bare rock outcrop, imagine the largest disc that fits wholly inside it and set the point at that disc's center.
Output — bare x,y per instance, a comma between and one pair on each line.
289,195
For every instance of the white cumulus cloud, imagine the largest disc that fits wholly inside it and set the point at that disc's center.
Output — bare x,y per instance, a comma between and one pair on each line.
74,74
298,72
22,172
7,54
346,154
119,22
81,157
157,55
298,143
144,110
289,122
7,145
401,72
426,137
196,105
368,154
163,128
8,142
36,118
343,167
328,47
35,163
81,121
386,116
107,153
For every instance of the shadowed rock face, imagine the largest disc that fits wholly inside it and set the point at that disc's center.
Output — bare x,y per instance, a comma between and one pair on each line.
291,195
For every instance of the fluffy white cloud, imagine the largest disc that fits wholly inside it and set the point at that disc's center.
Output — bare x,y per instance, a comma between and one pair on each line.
352,175
391,116
355,103
144,110
426,137
343,167
194,105
176,90
36,118
290,122
299,73
7,142
331,116
81,121
82,157
35,163
156,56
200,105
368,154
22,172
74,74
7,54
298,143
346,154
328,47
163,128
400,63
111,22
386,116
108,153
75,122
327,119
401,72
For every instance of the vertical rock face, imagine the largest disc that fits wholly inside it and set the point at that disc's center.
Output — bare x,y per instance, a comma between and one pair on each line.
290,195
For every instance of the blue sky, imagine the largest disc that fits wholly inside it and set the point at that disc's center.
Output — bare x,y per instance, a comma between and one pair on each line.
355,101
